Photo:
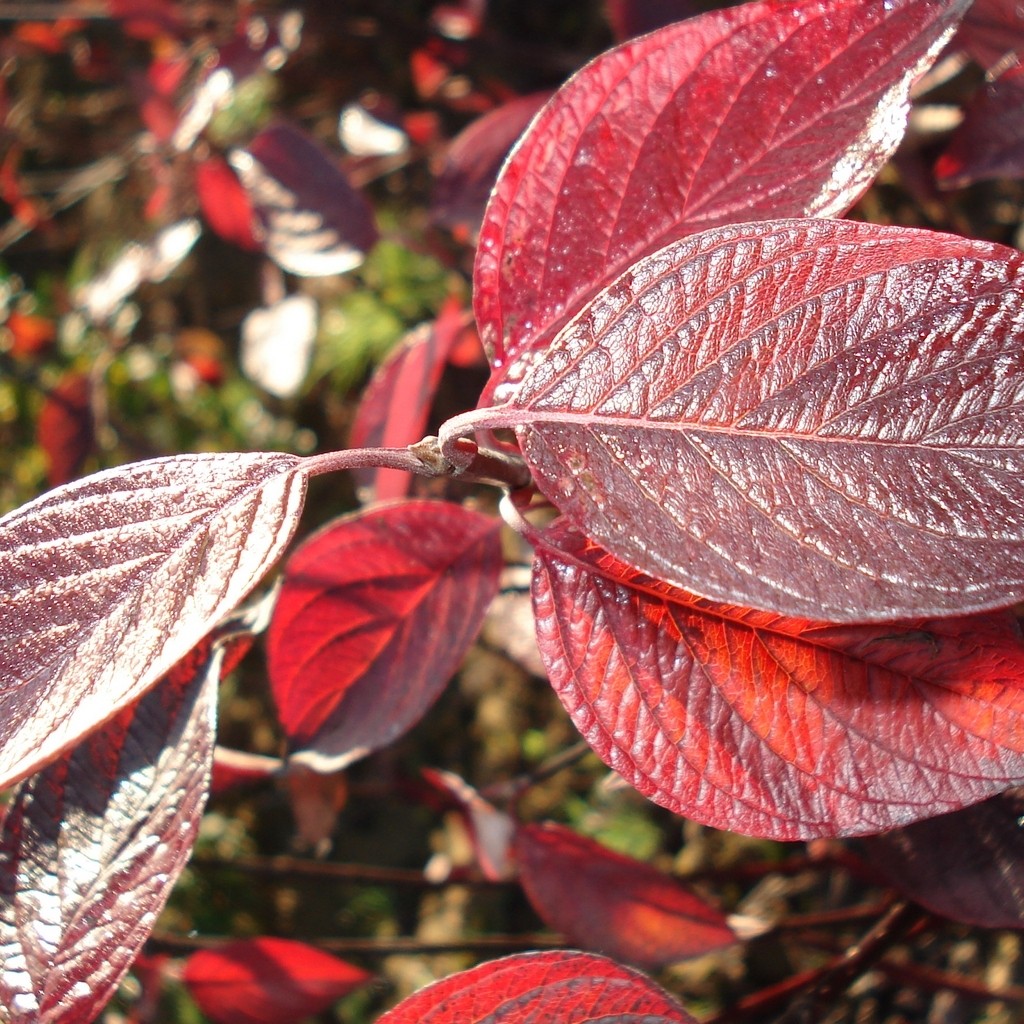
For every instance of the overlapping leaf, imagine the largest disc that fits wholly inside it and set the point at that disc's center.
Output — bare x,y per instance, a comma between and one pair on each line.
107,582
268,981
92,845
818,418
375,614
395,406
968,865
772,726
764,110
548,986
593,895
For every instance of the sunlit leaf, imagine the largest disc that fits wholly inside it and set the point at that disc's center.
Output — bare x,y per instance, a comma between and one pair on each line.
375,614
107,582
92,845
277,344
819,418
551,986
597,897
773,109
774,726
268,981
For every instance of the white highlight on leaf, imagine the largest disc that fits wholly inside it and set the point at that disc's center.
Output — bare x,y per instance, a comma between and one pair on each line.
277,344
362,134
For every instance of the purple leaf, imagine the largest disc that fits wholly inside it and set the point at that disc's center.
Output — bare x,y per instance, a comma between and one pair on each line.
630,18
763,110
315,222
375,613
817,418
968,865
107,582
92,845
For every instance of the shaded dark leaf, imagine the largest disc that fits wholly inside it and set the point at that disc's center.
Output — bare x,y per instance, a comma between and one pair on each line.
630,18
549,986
968,865
595,896
993,33
990,142
474,157
764,110
819,418
375,614
773,726
107,582
268,981
92,846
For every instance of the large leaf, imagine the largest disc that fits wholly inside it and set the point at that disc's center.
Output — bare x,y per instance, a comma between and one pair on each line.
968,865
598,897
375,614
107,582
773,726
819,418
570,987
773,109
92,845
268,981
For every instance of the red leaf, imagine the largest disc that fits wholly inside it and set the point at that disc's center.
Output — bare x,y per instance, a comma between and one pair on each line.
966,865
395,406
569,987
64,428
268,981
225,203
315,222
474,157
107,582
596,896
30,334
990,142
92,846
375,614
772,726
772,109
819,418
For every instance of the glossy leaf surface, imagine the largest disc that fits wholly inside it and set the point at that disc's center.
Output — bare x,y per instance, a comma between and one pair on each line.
107,582
375,614
772,726
268,981
549,986
92,845
764,110
818,418
968,865
593,895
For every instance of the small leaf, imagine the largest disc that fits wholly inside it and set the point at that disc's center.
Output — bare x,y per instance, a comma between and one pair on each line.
375,614
968,865
576,988
92,846
771,726
225,203
315,222
772,109
65,428
268,981
819,418
107,582
595,896
277,344
395,406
